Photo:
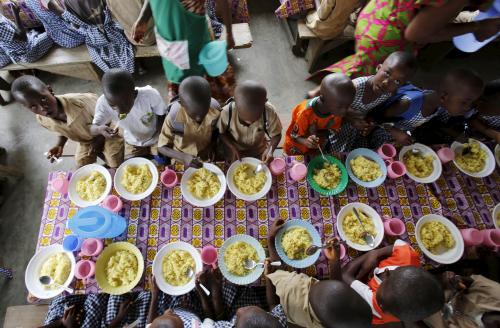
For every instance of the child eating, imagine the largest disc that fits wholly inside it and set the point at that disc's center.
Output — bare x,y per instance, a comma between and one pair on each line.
249,126
70,117
189,129
139,112
487,120
312,119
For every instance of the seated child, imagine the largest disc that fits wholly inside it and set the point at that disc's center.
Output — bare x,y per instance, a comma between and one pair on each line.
313,118
400,290
189,129
372,91
139,112
70,116
308,302
249,126
17,45
487,120
123,310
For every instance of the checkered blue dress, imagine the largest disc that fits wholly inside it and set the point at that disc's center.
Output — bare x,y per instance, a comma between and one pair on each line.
92,305
57,28
112,50
492,121
137,310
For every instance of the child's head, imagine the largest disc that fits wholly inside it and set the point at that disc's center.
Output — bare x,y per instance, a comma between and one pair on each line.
167,320
336,94
35,95
394,72
459,89
339,306
119,89
195,97
255,317
250,98
410,293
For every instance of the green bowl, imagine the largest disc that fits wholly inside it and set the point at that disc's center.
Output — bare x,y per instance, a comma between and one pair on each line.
317,163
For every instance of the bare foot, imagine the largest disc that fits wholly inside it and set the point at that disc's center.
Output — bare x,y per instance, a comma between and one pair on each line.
313,93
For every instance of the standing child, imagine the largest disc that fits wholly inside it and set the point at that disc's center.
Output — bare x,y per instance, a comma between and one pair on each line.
249,125
139,112
313,119
189,130
70,116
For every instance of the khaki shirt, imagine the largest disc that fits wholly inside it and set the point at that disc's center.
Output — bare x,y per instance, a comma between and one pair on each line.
79,109
180,132
252,138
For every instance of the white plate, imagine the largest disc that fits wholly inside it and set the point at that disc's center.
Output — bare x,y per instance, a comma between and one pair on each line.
497,154
83,172
450,256
158,268
436,162
119,174
253,275
188,196
489,167
32,273
316,240
250,198
370,154
495,214
377,221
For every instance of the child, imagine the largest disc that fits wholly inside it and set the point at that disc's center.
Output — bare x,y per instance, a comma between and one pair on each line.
372,91
249,126
487,120
139,112
312,119
70,116
76,311
310,303
400,290
189,130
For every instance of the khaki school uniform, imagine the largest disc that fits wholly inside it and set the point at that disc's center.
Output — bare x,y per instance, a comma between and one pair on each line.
79,110
251,140
181,133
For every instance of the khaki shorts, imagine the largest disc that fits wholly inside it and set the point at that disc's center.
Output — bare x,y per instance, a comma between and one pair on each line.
112,154
136,151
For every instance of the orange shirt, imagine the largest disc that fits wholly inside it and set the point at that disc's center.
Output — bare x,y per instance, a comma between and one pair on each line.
307,121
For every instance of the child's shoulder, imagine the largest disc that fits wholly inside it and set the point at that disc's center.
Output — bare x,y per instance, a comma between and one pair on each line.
148,91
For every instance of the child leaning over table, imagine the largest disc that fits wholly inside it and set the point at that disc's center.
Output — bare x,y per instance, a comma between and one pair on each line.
308,302
70,117
487,120
249,125
190,128
138,111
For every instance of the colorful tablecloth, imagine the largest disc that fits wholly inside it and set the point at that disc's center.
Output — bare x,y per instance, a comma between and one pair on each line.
289,8
165,217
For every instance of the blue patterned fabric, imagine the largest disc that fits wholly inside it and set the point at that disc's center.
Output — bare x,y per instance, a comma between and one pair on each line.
93,307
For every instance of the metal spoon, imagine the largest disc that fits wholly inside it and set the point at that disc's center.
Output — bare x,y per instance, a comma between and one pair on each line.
370,241
311,250
251,264
259,168
385,126
47,281
190,275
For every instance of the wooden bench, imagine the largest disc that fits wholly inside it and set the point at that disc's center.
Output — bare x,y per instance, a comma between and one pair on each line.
76,62
25,316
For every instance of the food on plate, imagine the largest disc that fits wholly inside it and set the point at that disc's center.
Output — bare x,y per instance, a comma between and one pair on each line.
57,267
91,187
122,268
364,169
328,177
176,265
354,231
418,164
435,236
203,184
295,241
136,179
235,256
247,181
474,158
498,219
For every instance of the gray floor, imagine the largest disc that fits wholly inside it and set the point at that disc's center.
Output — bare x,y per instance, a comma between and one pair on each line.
269,61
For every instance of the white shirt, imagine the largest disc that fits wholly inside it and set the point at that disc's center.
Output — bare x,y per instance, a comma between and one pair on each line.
140,127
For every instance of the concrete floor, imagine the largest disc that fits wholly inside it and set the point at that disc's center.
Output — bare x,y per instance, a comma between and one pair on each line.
269,61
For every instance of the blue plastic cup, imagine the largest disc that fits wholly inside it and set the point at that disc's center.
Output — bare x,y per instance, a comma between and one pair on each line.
213,57
72,243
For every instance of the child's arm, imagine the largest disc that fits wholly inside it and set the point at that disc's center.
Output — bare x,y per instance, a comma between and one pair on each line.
187,159
216,290
155,294
273,144
479,126
273,254
103,130
57,151
226,19
272,299
364,264
206,305
55,8
122,313
332,253
20,30
228,140
141,25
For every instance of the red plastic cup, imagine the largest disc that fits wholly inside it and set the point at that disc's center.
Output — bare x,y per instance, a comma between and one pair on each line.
209,256
169,178
387,151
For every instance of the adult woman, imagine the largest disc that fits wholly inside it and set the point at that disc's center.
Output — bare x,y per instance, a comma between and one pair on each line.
386,26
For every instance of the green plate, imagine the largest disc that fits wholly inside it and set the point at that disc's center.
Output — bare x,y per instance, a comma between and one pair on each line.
317,163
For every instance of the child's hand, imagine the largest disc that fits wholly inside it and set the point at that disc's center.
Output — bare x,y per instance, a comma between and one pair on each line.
54,153
106,131
123,310
401,137
155,291
311,142
276,227
192,161
332,252
267,156
497,137
70,317
97,145
235,154
268,268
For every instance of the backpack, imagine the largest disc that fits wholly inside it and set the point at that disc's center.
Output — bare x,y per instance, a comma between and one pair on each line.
230,102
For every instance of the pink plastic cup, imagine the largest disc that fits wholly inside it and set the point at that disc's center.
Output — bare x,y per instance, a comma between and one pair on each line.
446,155
394,227
209,256
396,169
343,251
112,203
298,171
491,237
387,151
472,237
277,166
60,184
91,247
169,178
85,269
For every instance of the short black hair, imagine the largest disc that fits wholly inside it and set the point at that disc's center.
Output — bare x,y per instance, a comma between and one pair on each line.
412,294
458,78
26,84
260,319
194,91
116,82
403,59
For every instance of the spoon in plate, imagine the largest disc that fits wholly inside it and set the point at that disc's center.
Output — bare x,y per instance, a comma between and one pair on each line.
190,275
368,238
251,264
47,281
